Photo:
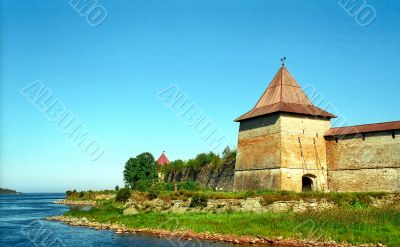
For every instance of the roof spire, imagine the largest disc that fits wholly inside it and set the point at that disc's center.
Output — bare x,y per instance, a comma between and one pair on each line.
284,94
283,61
162,160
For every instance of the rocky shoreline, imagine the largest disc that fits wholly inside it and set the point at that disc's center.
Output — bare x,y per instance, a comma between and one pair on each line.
223,205
190,235
137,205
256,204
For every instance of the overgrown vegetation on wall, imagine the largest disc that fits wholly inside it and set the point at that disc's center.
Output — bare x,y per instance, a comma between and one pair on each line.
209,170
206,170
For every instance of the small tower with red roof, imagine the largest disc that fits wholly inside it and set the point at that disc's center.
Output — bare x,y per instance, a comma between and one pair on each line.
163,160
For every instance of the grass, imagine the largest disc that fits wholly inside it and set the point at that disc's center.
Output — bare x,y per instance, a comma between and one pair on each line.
355,225
341,199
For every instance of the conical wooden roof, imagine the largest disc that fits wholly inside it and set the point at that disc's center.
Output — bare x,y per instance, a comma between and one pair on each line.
284,95
163,160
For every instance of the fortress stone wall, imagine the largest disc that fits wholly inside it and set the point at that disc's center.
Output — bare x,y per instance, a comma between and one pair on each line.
364,162
275,152
345,163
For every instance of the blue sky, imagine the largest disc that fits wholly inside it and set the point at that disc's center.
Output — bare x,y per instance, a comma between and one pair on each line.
221,54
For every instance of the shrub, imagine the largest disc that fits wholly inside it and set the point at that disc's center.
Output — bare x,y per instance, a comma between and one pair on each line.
189,186
123,195
116,187
143,185
186,186
81,194
69,193
90,195
164,186
153,192
198,200
357,204
228,155
202,160
214,160
249,193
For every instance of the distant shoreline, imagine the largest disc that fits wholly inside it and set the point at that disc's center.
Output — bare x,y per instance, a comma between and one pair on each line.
8,192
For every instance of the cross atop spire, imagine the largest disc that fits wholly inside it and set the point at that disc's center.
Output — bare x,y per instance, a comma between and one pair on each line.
283,61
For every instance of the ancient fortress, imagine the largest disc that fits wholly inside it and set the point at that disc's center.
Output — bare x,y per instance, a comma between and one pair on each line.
287,143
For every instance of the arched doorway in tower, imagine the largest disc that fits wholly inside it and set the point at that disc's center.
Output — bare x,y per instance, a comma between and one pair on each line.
308,182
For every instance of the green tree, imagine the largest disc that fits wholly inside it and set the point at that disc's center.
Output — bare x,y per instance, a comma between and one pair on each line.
140,170
176,167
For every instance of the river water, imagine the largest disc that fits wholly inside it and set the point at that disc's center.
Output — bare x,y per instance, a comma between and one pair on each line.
22,224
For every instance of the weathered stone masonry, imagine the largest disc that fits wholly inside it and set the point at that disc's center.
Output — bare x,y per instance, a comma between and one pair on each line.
286,143
276,151
369,163
258,158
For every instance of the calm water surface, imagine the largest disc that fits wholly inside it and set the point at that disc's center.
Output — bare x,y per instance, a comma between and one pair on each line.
21,224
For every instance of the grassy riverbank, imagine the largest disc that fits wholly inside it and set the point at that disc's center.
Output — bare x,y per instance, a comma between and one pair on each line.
361,199
351,225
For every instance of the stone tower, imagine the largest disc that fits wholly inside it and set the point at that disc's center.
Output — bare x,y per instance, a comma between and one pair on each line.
281,143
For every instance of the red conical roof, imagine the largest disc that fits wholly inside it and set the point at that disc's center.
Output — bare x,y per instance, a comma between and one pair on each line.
163,160
284,95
